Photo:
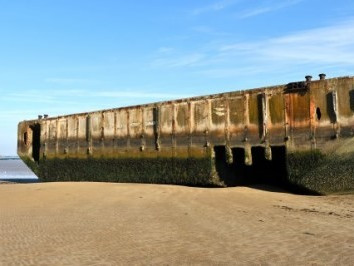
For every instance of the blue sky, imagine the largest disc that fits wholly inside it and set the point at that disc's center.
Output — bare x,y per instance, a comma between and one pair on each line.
66,56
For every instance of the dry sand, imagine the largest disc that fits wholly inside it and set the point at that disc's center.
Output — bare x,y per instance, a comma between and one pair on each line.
109,224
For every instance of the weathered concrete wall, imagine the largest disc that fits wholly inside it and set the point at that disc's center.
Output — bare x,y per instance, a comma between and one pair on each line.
176,141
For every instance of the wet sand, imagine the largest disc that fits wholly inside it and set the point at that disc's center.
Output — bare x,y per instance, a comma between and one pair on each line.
109,224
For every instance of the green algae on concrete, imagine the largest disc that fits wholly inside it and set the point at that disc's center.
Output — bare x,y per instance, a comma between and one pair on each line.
321,173
190,171
308,171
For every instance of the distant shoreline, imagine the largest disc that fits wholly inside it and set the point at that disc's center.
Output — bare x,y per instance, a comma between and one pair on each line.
12,169
3,158
19,180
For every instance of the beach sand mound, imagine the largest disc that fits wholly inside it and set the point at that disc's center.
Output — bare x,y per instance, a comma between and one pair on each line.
109,224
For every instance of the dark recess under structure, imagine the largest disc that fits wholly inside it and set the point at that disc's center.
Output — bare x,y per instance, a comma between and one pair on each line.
262,171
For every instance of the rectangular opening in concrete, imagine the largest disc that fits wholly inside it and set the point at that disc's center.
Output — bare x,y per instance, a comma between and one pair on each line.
351,100
270,172
262,171
25,138
331,106
36,141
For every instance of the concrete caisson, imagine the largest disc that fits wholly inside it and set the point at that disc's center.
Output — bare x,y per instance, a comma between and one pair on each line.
299,135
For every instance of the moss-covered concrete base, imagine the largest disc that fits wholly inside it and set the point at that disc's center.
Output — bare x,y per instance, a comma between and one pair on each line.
191,171
303,172
321,173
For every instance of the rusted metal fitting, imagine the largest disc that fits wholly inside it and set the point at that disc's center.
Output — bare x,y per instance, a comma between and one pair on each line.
322,76
308,78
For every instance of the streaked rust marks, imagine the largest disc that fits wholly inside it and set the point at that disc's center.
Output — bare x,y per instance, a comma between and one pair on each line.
254,109
276,108
236,108
218,112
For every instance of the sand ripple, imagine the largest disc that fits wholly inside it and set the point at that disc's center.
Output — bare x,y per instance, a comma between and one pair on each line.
110,224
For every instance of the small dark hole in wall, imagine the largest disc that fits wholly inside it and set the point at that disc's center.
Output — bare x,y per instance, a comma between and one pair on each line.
25,138
318,113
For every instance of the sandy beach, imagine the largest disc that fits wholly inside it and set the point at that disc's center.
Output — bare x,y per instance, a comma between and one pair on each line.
109,224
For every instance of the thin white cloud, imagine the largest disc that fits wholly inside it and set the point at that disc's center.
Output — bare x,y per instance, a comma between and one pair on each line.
137,94
30,97
40,96
178,60
165,50
55,102
209,31
327,45
67,80
256,12
270,7
20,115
7,113
131,93
330,47
216,6
16,99
224,72
62,96
203,29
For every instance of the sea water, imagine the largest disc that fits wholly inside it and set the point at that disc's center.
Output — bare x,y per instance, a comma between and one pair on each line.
13,169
